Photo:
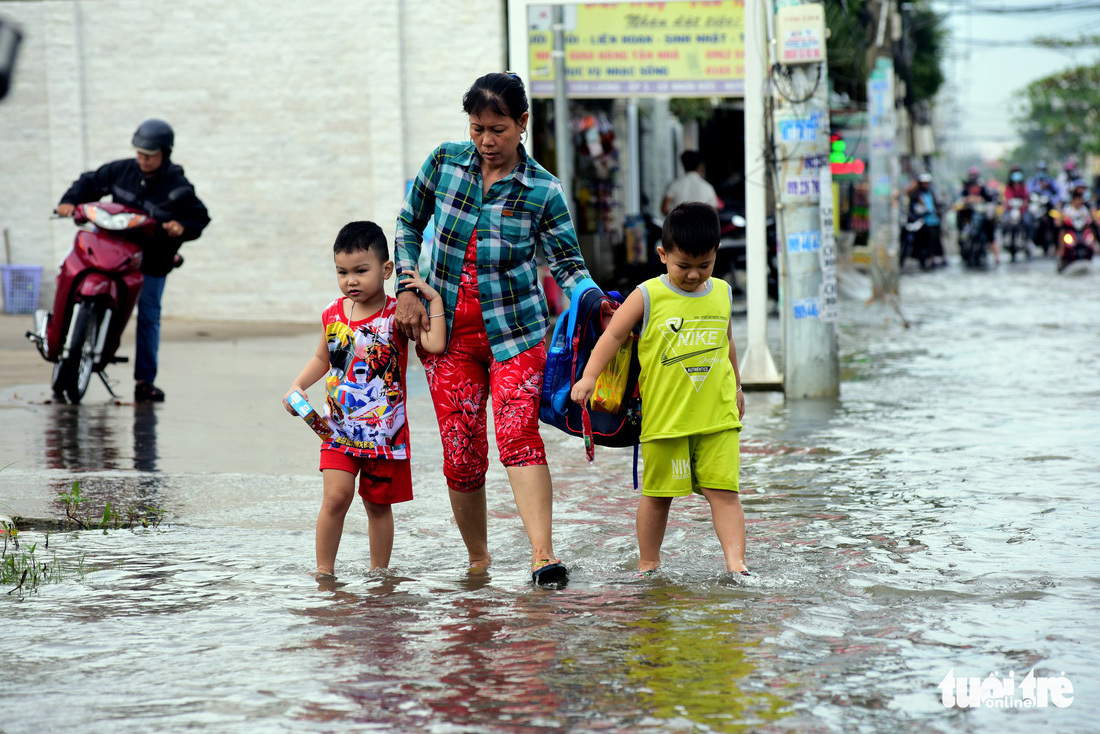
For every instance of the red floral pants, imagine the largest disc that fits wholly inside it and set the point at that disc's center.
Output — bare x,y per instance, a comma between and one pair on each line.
461,379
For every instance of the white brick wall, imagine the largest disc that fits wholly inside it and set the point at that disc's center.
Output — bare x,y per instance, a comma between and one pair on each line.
291,119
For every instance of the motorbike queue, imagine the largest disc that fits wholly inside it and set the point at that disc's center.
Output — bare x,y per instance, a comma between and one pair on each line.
1024,218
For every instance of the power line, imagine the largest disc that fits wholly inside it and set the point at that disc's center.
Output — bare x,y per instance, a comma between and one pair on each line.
1059,7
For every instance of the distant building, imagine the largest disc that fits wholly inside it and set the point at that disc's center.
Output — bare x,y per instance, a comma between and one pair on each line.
291,119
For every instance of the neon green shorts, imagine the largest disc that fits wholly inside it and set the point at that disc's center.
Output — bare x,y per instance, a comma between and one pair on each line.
676,467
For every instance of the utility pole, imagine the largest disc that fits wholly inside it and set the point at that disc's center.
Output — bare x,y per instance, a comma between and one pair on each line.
804,204
757,366
563,144
883,162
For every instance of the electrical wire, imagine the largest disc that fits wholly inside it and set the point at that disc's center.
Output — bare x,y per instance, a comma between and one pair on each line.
780,69
966,8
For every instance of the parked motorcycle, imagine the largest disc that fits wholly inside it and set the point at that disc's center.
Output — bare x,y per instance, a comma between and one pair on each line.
1013,229
1078,237
97,287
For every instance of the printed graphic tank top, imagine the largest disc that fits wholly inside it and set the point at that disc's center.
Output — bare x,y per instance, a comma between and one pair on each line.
687,382
365,384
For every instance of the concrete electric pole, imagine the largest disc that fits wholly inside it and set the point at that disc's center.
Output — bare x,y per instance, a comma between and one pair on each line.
804,208
757,366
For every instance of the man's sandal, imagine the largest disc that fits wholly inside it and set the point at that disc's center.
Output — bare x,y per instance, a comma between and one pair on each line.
549,572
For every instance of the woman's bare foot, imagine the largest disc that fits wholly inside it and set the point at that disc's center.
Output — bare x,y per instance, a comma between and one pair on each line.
479,565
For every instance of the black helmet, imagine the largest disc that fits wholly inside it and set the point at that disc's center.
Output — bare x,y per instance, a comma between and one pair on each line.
154,135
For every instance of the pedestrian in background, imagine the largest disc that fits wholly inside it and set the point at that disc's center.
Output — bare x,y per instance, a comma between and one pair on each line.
692,186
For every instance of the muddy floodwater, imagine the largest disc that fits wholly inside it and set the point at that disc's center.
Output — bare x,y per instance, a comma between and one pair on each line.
941,519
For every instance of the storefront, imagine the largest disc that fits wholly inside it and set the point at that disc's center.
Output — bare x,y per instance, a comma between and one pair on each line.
624,64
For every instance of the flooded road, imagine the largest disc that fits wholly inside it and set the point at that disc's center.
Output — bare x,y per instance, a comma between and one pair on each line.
941,517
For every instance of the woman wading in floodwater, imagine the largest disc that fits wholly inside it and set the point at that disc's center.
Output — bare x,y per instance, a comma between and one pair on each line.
495,210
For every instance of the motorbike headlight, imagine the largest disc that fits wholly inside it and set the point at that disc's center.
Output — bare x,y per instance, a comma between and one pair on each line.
122,220
738,221
1067,238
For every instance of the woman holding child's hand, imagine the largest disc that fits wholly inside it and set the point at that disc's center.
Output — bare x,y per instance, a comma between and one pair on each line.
434,341
495,210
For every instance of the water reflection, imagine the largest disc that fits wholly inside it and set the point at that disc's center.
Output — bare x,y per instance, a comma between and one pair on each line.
367,650
81,438
85,437
489,672
145,437
87,440
687,659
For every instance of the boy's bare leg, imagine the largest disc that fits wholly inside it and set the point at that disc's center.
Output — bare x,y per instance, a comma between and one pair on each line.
339,490
471,516
533,491
651,520
729,525
380,533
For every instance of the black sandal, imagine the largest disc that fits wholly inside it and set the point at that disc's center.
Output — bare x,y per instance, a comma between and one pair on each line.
551,574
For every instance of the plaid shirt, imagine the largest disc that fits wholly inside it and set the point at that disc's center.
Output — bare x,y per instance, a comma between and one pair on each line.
521,214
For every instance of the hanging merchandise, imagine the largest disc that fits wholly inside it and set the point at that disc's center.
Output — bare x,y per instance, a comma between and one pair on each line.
596,172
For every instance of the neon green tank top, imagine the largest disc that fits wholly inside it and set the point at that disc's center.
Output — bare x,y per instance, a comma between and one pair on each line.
687,382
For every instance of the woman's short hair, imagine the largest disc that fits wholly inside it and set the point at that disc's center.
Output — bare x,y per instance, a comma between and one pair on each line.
500,93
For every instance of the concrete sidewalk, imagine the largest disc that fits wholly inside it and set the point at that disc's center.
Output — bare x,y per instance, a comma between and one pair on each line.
21,364
221,448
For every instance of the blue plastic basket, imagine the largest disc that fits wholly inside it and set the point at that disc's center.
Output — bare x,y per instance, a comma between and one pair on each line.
21,287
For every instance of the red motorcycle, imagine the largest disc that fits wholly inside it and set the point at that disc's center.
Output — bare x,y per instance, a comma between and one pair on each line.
97,287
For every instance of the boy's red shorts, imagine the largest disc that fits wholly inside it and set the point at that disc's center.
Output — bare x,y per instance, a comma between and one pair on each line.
381,481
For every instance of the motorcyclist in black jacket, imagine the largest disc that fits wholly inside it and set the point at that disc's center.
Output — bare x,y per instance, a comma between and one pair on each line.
151,183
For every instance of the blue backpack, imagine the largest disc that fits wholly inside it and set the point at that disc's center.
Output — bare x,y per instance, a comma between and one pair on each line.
575,334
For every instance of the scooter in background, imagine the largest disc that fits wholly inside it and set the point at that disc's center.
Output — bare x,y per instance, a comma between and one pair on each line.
1043,227
1077,246
97,287
973,239
1013,229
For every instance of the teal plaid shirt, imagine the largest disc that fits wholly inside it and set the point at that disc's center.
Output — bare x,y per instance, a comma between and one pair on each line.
522,214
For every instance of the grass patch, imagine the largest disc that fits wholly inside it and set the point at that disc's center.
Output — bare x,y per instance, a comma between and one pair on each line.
112,519
20,563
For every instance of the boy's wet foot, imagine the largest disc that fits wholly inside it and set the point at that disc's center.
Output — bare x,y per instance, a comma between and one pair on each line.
740,578
326,581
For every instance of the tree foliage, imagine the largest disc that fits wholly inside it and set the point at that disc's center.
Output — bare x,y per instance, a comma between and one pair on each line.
699,109
927,35
1060,115
852,27
851,31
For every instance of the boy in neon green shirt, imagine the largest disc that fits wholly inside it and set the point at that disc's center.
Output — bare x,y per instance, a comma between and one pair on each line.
691,388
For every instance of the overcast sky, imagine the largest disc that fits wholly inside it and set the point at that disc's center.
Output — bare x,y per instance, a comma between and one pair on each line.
988,79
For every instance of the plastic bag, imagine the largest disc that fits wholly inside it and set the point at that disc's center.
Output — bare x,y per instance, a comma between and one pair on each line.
611,383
